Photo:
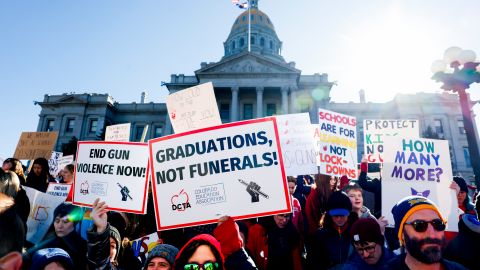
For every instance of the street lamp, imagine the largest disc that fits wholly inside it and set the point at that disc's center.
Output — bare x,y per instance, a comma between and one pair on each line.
457,71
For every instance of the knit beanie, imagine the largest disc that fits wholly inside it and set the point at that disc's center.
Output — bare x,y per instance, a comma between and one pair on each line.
166,251
116,236
366,230
406,207
43,257
461,183
344,181
339,204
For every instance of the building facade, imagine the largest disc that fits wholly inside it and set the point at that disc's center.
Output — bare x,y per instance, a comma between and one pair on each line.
253,83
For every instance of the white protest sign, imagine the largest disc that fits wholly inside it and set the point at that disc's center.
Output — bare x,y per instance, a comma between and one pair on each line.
417,166
193,108
375,130
118,133
115,172
298,146
234,169
53,163
337,136
41,216
62,162
58,190
144,244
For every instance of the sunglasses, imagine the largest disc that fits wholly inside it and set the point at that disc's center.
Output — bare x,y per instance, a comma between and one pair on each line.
203,266
422,225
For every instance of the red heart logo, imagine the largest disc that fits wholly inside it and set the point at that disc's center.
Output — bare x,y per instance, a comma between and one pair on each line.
180,198
325,148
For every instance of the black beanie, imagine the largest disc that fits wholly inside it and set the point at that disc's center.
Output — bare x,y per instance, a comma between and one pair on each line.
339,204
461,183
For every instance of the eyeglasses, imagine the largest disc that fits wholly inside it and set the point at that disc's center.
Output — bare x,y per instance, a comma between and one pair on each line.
422,225
203,266
368,249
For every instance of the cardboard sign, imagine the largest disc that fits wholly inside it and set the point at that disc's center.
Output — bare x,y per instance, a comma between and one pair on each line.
144,244
337,136
375,131
414,166
118,133
193,108
58,190
298,146
32,145
41,216
53,163
62,162
115,172
234,169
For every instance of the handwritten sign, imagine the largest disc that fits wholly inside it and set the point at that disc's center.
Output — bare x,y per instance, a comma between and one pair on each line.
32,145
53,163
41,216
298,146
193,108
118,133
375,130
115,172
62,162
234,169
417,166
337,134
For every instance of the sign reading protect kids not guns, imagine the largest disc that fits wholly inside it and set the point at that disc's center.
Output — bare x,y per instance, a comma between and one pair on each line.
376,130
337,141
417,166
115,172
234,169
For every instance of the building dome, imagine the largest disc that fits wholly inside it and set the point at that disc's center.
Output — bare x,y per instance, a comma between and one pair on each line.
264,39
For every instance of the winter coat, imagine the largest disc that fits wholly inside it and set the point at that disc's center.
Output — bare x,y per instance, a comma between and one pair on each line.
99,249
374,186
398,263
260,242
465,248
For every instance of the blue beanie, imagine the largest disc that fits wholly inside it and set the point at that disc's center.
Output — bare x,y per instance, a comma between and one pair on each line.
406,207
166,251
43,257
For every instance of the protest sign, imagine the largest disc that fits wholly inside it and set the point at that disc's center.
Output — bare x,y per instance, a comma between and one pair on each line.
144,244
41,216
375,130
193,108
62,162
32,145
298,147
118,133
234,169
58,190
53,163
337,136
417,166
115,172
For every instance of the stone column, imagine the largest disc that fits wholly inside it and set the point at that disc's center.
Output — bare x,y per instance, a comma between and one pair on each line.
259,102
234,103
284,91
168,125
293,99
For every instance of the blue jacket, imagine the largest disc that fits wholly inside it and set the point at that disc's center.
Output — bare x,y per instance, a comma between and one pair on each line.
355,262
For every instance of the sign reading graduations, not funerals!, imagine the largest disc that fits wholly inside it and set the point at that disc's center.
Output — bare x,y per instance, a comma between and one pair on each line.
417,166
235,169
118,133
115,172
32,145
337,136
193,108
376,130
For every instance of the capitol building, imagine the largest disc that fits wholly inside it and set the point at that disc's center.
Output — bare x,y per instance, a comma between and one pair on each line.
250,83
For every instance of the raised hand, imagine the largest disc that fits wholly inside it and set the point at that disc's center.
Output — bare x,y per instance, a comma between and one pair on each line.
99,215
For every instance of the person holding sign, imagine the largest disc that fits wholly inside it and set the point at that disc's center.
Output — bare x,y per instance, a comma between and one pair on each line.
421,230
39,177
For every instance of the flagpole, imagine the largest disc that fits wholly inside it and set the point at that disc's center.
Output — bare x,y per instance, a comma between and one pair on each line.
249,25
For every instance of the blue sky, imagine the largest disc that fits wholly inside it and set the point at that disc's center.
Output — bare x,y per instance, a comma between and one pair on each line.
126,47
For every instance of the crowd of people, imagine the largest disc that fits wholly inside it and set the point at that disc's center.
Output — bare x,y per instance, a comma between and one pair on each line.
330,227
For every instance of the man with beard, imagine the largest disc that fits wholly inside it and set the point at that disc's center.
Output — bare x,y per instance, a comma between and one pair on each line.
420,228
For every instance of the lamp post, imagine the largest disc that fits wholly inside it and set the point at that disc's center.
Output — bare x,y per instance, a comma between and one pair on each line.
457,71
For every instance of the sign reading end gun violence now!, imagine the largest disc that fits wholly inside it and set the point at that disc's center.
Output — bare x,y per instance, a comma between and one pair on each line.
234,169
115,172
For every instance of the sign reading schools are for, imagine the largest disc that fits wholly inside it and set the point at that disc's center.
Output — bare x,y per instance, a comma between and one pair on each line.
115,172
376,130
414,166
337,136
234,169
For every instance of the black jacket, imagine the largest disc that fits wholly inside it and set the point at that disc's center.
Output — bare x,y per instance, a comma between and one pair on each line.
399,263
465,248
